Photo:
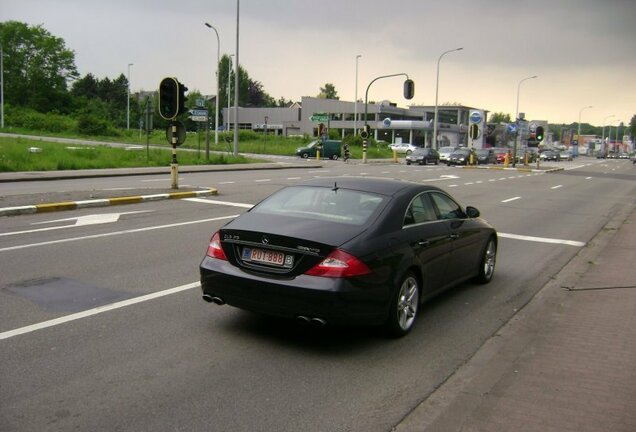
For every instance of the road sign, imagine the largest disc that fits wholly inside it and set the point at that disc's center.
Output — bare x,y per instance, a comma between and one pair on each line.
475,117
199,112
512,128
199,118
319,118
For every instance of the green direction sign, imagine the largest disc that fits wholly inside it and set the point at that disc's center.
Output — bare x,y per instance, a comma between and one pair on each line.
319,118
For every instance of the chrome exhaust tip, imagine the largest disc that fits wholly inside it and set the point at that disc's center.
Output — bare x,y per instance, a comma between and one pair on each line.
303,320
212,299
318,322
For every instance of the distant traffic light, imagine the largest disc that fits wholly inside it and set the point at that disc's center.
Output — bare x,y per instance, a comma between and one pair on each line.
182,98
169,98
539,133
409,89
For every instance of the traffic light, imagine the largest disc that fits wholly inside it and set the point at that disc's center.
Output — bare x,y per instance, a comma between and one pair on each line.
409,89
474,131
169,98
366,130
182,98
539,133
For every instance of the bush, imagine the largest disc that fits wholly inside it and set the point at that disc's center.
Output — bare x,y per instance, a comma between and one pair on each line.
30,119
88,124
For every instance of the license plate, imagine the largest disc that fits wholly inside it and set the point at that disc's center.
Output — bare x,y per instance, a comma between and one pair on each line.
268,257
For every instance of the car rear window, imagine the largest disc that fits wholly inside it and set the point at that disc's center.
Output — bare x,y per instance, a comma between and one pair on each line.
324,204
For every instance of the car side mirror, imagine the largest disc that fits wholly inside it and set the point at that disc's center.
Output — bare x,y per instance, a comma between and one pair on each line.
472,212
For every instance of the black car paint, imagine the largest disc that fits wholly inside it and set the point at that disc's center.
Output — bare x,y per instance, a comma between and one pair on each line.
429,250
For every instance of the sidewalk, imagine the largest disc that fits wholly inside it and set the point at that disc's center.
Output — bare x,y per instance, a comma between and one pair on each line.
565,362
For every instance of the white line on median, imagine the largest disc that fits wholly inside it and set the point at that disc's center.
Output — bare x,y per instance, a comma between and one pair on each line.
511,199
115,233
542,239
95,311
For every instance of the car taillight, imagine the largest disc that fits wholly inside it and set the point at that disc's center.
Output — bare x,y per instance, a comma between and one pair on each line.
339,264
214,248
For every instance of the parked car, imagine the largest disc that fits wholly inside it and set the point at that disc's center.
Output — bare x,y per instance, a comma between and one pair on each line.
329,149
566,155
403,148
486,156
445,152
550,155
423,156
459,157
500,153
348,250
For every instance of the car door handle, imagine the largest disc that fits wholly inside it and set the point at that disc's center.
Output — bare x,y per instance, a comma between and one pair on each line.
454,236
424,243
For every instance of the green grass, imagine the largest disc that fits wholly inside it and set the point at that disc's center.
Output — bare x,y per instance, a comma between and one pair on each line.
15,156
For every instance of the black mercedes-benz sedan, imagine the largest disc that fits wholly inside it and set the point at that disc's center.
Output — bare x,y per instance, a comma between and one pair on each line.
348,250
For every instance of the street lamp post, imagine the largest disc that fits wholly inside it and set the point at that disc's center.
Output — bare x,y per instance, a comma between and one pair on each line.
578,136
435,143
128,103
216,114
236,83
603,132
1,87
514,152
355,106
229,88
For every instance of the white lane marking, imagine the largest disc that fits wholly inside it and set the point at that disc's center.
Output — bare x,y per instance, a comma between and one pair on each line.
587,178
227,203
263,180
294,178
115,233
227,182
95,311
542,239
556,187
511,199
79,221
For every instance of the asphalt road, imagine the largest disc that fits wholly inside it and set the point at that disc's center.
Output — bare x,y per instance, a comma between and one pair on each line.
159,358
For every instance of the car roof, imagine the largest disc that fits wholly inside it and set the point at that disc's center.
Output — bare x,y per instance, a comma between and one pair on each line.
382,186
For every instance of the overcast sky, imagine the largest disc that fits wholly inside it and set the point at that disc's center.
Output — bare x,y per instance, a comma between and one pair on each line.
583,51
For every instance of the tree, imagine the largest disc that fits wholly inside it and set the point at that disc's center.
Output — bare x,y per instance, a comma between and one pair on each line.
37,66
499,117
632,127
328,92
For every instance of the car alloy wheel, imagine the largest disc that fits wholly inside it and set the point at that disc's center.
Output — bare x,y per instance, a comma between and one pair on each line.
488,261
404,307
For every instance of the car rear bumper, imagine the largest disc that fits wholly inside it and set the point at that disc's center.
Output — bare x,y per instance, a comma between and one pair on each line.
336,301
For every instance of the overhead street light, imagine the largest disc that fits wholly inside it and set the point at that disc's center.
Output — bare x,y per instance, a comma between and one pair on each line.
128,99
435,143
578,136
355,106
236,83
604,123
514,152
216,114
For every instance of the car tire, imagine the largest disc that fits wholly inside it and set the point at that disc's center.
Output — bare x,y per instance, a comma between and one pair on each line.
436,162
334,157
487,262
404,307
305,155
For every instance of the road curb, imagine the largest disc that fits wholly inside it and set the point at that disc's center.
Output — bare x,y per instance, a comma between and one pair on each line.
72,205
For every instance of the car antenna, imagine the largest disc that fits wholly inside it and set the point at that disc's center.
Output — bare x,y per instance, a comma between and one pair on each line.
335,187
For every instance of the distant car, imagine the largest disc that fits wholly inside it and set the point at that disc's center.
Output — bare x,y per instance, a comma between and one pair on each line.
403,148
459,157
486,156
566,155
550,155
500,153
348,250
423,156
445,152
329,149
623,156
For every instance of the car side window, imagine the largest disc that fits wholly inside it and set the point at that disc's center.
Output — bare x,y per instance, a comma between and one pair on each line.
447,208
420,210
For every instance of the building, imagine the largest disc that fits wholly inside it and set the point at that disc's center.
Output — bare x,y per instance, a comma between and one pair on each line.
388,122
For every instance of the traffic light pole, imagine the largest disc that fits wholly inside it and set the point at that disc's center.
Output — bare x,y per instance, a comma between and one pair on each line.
174,165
